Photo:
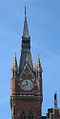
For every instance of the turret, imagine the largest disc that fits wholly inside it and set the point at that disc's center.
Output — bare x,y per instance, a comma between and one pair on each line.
39,78
14,81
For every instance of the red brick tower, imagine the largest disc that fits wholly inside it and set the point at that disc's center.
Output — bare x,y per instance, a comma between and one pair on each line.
26,83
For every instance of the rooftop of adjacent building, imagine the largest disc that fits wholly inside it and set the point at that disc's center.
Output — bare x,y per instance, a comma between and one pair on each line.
43,117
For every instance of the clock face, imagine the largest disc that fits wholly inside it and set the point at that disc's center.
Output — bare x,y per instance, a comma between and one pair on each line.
27,85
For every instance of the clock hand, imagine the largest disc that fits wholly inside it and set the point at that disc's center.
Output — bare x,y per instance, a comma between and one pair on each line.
25,84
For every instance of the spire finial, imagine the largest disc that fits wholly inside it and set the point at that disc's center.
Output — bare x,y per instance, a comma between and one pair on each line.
25,14
25,10
55,100
25,29
15,55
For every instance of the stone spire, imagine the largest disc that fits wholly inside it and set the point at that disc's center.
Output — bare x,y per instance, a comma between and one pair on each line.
15,63
38,69
25,29
26,56
15,67
38,62
55,100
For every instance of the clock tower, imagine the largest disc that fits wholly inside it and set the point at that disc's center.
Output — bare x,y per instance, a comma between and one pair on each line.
26,83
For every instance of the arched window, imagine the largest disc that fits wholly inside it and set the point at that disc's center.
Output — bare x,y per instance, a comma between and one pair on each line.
27,115
23,115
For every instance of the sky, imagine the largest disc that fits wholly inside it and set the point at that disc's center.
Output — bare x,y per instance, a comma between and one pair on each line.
44,28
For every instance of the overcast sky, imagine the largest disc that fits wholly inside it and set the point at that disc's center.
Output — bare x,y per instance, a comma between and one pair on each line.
44,27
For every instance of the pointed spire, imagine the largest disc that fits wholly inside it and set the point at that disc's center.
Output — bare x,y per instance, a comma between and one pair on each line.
15,63
55,100
25,47
38,61
15,68
38,69
25,29
39,64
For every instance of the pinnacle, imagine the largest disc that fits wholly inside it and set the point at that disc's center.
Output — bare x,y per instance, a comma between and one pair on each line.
38,66
38,61
15,62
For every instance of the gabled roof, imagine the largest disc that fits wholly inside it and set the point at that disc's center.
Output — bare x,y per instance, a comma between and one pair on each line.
26,71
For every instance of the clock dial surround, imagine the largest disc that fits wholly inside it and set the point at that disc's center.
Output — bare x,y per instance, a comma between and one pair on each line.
27,85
